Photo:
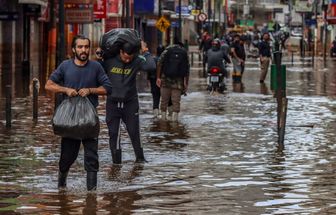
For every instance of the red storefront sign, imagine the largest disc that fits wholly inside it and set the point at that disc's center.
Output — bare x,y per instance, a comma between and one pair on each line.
331,15
79,15
78,1
113,6
99,9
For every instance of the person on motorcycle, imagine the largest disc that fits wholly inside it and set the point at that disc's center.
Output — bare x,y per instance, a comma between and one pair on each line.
216,58
205,45
333,48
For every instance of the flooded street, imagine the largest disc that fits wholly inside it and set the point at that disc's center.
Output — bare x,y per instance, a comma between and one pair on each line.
220,158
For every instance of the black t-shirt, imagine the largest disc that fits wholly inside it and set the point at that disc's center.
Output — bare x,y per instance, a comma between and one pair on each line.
91,75
264,49
239,49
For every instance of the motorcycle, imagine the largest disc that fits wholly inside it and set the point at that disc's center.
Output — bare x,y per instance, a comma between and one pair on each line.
333,51
215,80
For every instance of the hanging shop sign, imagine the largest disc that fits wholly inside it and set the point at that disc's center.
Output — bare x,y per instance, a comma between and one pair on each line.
185,10
79,15
303,6
144,6
8,16
331,15
99,9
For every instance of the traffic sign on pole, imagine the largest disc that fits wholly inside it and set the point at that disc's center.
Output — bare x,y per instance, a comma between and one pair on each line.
162,24
202,17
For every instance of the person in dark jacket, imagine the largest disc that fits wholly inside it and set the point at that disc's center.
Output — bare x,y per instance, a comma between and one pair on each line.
172,88
79,77
216,58
122,104
150,68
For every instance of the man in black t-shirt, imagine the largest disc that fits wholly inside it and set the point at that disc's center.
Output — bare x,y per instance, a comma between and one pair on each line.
238,58
265,56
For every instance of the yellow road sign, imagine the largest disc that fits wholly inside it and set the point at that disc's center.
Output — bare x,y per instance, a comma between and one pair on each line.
162,24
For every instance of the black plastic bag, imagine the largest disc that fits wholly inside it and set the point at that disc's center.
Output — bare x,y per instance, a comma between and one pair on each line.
112,41
76,118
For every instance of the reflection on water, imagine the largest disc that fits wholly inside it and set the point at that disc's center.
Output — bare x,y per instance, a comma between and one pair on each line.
220,158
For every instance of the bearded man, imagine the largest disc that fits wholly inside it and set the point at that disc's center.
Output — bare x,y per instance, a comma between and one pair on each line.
79,76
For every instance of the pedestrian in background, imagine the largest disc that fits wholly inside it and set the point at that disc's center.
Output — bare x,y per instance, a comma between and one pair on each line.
79,76
265,56
172,77
150,68
122,104
237,57
204,46
242,41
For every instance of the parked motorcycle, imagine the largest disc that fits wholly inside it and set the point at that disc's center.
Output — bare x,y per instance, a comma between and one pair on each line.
215,80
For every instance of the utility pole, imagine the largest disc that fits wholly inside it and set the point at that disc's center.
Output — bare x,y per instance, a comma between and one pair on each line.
325,8
290,8
180,21
159,34
127,14
209,16
61,41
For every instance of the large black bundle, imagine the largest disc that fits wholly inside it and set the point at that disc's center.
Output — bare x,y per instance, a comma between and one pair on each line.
112,41
76,118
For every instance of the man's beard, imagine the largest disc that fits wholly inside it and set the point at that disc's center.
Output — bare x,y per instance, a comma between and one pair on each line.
82,57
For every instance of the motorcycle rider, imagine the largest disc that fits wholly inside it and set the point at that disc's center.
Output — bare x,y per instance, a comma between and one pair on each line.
205,45
216,58
333,48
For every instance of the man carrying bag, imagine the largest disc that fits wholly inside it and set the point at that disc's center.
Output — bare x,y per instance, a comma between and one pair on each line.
85,78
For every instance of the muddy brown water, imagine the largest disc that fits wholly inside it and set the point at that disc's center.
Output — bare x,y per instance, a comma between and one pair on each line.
220,158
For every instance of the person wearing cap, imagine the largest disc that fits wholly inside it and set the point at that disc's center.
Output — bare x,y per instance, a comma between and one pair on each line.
122,104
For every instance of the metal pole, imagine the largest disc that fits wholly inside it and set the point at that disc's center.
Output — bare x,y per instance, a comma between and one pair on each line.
127,14
8,106
35,98
209,16
280,96
303,37
325,8
180,21
61,46
159,34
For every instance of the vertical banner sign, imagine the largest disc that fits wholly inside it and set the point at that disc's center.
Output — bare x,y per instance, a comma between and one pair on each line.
113,6
331,15
99,9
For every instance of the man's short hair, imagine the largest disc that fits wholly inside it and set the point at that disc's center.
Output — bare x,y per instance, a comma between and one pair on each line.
79,37
129,48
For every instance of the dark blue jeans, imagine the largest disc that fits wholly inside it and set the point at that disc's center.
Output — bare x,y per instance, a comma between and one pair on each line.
69,153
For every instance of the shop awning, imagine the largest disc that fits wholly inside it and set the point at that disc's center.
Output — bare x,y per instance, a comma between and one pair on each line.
39,2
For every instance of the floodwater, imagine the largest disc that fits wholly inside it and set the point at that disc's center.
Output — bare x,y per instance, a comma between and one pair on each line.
220,158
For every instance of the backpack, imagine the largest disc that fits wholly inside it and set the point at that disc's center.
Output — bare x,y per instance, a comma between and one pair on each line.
175,62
